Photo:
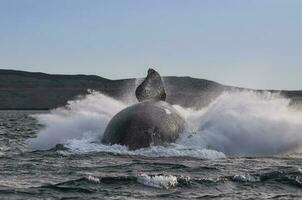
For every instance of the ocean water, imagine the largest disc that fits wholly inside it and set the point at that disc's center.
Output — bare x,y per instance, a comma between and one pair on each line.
244,145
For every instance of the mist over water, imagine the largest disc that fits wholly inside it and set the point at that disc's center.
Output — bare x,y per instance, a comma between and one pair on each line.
238,123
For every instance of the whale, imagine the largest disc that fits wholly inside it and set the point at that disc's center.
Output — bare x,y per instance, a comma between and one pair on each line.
150,122
151,88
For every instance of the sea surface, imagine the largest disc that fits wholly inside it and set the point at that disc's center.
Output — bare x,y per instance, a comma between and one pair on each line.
232,150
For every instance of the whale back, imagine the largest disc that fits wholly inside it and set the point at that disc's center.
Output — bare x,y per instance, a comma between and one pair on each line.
152,88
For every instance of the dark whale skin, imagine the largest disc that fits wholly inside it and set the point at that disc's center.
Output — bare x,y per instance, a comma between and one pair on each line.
144,124
151,88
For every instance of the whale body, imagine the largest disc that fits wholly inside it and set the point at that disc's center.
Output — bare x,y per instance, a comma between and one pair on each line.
144,124
152,121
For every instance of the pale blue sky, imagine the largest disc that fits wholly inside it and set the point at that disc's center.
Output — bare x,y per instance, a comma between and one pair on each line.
249,43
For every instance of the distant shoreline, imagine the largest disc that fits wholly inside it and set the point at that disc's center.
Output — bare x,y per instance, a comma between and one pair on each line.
25,109
21,90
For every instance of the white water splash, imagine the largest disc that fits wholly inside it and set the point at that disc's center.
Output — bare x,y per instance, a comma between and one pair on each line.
245,123
80,119
93,179
159,181
244,178
87,145
236,123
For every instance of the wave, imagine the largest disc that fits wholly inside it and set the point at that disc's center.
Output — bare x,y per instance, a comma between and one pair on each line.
290,176
159,181
237,123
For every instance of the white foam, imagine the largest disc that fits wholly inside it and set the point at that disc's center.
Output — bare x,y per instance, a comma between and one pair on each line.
246,123
244,178
80,119
236,123
93,179
159,181
87,145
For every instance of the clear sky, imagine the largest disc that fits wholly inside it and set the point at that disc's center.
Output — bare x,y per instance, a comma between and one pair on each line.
249,43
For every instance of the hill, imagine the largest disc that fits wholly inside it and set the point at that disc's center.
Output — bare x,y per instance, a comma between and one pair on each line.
32,90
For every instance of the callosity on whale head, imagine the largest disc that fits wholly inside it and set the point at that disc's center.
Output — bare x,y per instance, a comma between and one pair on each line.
152,121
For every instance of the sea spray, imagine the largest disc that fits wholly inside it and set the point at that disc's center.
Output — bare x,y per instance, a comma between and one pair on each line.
238,123
80,119
245,123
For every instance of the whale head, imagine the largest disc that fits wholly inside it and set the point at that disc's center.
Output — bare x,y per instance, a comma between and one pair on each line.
152,88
